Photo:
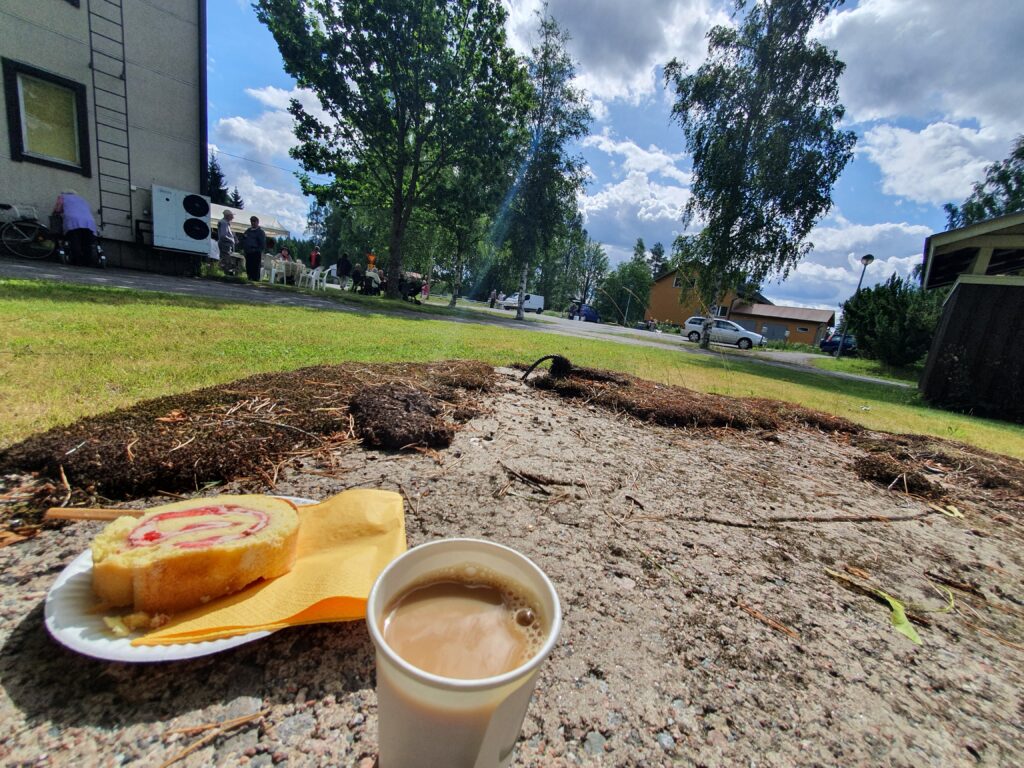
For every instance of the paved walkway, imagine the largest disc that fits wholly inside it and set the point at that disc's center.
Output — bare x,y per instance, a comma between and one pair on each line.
264,294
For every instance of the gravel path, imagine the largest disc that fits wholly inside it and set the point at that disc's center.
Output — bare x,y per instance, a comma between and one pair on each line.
701,625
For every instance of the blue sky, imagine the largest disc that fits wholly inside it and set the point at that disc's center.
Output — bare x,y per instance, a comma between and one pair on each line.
933,89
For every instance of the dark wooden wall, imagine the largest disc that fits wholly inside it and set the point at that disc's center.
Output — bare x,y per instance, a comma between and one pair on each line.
976,362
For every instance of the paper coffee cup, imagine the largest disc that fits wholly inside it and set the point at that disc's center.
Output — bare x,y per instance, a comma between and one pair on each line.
429,720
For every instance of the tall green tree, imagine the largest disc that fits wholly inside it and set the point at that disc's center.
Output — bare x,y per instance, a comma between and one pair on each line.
760,117
483,161
235,200
624,293
595,267
658,260
1002,192
550,176
894,322
216,184
639,250
396,81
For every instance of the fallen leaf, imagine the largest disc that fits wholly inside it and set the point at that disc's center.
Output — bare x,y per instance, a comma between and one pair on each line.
949,511
898,614
8,537
173,416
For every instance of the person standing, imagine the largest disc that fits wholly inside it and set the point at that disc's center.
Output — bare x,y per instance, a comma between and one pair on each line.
492,298
78,224
254,242
314,257
344,269
226,243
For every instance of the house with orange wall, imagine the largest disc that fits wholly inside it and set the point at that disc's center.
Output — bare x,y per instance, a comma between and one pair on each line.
663,304
797,325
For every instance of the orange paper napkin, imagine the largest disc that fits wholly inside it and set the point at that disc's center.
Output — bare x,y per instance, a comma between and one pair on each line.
344,543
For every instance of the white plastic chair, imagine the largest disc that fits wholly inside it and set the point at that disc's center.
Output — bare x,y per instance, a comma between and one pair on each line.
266,269
278,268
329,277
306,277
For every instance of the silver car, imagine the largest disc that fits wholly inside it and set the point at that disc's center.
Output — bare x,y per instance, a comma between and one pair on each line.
723,332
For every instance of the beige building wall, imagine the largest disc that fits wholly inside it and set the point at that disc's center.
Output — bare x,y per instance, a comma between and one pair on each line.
145,117
800,331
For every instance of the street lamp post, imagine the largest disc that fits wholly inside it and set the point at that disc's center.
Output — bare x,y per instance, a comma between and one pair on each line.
865,260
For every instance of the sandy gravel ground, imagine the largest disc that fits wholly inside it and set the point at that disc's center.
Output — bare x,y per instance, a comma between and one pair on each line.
697,630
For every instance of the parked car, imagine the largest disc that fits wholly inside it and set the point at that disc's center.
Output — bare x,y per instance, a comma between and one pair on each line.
723,332
583,312
830,344
531,302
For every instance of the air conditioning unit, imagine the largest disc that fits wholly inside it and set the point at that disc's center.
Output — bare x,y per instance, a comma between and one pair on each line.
181,220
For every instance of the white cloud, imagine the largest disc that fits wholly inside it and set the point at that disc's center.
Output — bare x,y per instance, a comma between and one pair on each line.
618,45
837,235
636,200
930,59
829,275
653,159
935,165
269,135
280,99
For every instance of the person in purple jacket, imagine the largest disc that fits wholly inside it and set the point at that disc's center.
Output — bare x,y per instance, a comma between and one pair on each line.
78,224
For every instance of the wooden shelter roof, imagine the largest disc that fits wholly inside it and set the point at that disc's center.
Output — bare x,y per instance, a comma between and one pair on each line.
992,247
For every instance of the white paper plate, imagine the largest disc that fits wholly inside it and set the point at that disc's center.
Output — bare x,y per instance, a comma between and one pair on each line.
71,623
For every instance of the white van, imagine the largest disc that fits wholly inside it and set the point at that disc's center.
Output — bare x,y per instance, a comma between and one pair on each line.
531,302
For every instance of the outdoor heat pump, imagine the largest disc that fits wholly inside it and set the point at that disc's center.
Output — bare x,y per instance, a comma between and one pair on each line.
181,220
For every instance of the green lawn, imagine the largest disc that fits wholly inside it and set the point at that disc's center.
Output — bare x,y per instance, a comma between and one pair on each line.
909,374
69,351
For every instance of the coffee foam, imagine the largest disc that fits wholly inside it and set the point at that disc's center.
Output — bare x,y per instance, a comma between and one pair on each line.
515,596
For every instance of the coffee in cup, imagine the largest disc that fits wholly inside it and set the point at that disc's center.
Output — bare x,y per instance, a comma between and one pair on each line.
466,622
461,628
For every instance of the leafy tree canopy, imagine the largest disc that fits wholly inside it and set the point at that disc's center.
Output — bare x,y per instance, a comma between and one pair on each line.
624,294
1002,192
894,321
760,118
397,82
551,176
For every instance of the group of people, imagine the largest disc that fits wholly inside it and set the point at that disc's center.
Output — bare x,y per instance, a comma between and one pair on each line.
253,244
369,280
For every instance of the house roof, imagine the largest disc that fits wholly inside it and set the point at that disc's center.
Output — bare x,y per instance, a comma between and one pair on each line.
950,254
801,314
270,224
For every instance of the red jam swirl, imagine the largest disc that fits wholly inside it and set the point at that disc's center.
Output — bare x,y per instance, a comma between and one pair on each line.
166,528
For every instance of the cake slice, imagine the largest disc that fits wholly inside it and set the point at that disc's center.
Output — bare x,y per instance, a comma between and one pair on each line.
183,555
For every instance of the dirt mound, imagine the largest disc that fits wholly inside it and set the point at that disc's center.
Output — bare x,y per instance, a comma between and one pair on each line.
249,427
721,588
396,417
678,406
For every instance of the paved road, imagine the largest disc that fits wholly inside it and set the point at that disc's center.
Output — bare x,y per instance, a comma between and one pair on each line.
264,294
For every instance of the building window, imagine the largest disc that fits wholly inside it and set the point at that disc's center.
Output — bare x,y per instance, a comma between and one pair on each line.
46,118
723,312
677,282
803,330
